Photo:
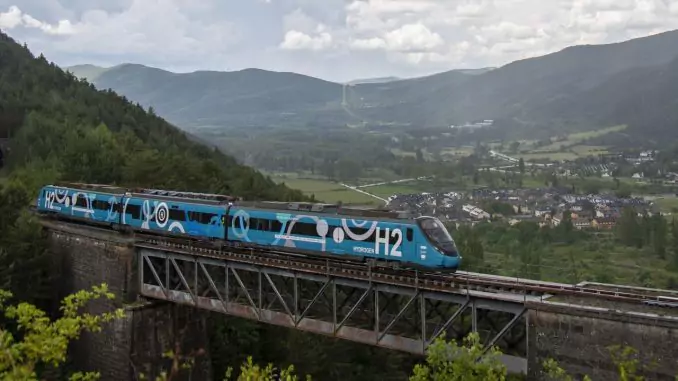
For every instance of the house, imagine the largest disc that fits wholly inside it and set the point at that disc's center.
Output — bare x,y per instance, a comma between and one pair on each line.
603,223
581,223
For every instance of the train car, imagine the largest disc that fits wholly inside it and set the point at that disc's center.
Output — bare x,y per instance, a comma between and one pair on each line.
421,242
174,216
296,228
99,206
183,214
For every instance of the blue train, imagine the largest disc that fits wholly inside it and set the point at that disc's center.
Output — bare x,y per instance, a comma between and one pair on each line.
300,228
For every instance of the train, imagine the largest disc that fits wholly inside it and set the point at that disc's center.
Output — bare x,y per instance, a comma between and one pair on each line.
384,238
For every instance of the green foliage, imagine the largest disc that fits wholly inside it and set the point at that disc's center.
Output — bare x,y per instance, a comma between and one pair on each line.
556,373
44,341
64,126
447,361
250,372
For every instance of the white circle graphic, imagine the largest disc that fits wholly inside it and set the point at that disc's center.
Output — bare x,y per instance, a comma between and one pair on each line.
162,214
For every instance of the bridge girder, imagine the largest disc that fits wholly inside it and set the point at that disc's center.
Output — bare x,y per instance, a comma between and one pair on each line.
365,311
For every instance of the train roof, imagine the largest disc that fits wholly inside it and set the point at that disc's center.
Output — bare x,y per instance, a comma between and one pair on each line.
219,199
209,198
321,208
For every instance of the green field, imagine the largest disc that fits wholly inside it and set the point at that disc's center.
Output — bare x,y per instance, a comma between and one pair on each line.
547,156
329,191
667,204
569,147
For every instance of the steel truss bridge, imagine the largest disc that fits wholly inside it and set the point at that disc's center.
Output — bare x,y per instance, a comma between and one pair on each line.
401,310
388,312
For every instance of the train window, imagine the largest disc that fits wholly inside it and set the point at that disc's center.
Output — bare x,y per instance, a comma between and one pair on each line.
276,226
134,210
260,224
101,205
205,218
410,234
81,201
177,215
239,221
304,228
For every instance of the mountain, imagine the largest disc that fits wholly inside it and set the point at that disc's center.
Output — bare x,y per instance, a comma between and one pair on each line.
250,97
63,129
87,71
532,96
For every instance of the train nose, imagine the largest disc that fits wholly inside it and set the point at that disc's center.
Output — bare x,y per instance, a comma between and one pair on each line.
451,262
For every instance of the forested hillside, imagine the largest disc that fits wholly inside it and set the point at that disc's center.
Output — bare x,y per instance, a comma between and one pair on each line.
74,132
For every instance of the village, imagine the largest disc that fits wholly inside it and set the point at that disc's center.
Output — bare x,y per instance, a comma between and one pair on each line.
544,206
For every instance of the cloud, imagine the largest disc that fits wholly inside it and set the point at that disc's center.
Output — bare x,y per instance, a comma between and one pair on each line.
303,32
348,38
15,18
295,40
410,38
155,29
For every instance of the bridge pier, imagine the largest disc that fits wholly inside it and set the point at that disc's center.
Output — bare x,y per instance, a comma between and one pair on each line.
83,257
579,338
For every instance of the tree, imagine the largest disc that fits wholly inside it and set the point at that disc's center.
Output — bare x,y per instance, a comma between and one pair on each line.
250,371
659,235
44,341
521,166
674,243
447,361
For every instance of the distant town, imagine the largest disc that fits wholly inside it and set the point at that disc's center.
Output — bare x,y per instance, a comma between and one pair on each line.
544,206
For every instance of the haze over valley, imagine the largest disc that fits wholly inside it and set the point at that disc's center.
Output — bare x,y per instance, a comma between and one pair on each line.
576,89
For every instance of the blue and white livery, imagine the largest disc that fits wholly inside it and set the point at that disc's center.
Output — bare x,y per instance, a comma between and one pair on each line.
307,229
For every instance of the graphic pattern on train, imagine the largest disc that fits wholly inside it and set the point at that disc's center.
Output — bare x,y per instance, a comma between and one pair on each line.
420,242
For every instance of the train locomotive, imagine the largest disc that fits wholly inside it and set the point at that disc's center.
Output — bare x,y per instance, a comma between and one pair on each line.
384,238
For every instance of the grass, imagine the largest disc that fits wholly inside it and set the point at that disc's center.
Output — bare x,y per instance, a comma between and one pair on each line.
667,204
547,155
457,151
326,190
571,147
329,191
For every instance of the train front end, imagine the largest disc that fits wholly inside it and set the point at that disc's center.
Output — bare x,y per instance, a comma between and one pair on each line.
440,239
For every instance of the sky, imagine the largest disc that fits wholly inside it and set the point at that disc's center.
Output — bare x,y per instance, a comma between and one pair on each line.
337,40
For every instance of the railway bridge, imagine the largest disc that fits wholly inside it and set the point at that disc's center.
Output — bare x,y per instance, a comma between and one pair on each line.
168,285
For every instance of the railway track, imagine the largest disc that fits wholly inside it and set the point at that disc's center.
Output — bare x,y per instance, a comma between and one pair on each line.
461,280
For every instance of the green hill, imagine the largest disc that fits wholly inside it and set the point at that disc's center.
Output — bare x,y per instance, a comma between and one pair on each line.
87,71
65,129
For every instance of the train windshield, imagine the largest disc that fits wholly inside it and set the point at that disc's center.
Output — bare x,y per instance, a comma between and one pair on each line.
436,232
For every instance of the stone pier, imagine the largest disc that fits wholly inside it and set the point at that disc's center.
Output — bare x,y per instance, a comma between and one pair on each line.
579,339
85,256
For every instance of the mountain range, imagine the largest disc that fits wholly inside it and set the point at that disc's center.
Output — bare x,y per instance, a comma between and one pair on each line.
634,82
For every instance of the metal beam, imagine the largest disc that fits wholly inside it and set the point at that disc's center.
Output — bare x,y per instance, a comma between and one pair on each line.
329,305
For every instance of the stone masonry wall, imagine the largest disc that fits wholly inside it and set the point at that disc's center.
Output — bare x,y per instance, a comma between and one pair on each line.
580,343
84,257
